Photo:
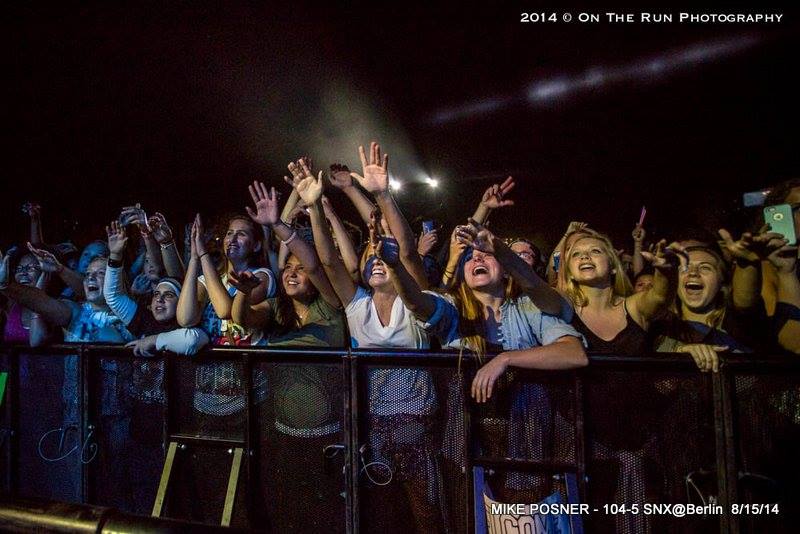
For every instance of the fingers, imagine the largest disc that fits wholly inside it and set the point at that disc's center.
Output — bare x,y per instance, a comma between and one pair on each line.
726,236
362,155
288,181
305,169
252,214
507,185
254,193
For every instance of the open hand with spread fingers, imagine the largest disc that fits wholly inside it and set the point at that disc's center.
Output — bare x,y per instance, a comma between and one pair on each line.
266,202
375,170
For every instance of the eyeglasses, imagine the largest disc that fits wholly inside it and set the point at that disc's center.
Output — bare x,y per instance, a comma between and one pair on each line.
525,254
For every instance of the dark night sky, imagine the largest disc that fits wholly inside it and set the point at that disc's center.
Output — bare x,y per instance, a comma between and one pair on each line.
179,107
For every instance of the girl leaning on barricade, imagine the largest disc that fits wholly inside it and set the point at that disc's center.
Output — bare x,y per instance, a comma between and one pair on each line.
301,490
402,402
206,299
493,307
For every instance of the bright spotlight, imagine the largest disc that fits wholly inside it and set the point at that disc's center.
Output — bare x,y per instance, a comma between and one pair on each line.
433,182
396,185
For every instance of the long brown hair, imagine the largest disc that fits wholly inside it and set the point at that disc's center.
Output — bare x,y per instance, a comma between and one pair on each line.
471,322
286,317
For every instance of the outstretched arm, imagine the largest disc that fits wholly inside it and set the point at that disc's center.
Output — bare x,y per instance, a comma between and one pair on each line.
162,233
747,254
34,211
117,299
193,294
638,236
346,248
376,181
242,312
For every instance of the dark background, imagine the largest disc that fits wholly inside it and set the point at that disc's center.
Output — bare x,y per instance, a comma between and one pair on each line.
180,107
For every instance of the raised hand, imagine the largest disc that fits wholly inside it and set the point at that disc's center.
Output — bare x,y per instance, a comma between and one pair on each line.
427,242
134,215
160,230
47,260
339,176
476,236
198,238
638,234
456,245
494,196
309,188
295,168
117,239
375,169
32,210
749,247
267,212
244,281
666,257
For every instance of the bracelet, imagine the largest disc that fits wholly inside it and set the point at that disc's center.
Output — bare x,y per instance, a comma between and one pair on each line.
291,238
114,263
167,245
200,257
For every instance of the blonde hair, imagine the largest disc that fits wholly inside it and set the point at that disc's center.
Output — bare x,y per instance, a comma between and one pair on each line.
621,286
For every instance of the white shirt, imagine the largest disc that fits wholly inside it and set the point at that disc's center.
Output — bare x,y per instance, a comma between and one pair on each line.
392,391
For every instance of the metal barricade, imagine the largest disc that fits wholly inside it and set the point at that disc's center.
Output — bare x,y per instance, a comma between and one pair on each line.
384,441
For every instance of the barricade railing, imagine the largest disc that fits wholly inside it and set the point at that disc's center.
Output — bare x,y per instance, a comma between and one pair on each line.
623,431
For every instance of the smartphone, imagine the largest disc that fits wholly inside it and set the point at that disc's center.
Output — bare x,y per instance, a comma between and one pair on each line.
754,198
427,227
781,221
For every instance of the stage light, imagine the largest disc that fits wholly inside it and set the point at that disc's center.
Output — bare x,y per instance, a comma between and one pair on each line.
433,182
395,185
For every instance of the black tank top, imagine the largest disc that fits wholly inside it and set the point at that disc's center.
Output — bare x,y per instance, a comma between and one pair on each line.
630,341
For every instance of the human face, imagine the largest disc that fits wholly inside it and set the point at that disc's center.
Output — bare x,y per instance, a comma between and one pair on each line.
27,272
92,250
699,281
589,263
643,283
483,271
240,242
93,281
296,283
164,303
524,251
379,274
151,270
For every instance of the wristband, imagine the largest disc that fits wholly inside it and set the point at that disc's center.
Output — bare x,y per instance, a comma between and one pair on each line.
167,245
200,257
114,263
291,238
